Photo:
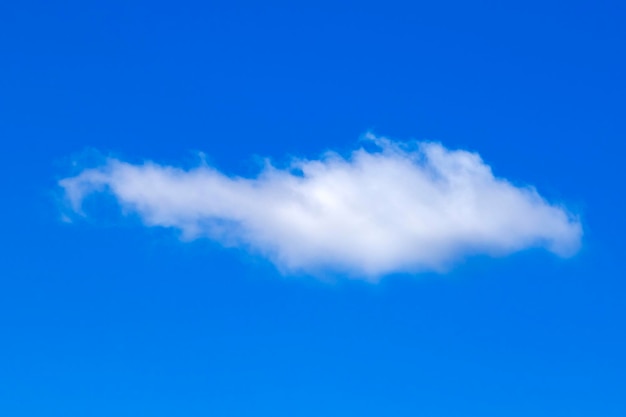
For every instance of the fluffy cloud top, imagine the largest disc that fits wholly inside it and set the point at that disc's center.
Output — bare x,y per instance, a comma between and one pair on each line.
401,208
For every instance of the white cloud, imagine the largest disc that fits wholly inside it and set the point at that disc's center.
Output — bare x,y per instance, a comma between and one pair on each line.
401,208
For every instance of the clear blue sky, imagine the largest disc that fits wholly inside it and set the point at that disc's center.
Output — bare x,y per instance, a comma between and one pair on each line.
104,317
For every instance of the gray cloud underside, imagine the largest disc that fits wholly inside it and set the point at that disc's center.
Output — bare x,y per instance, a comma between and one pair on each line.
399,208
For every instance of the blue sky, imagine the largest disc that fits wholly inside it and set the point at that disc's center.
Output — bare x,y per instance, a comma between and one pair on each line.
105,315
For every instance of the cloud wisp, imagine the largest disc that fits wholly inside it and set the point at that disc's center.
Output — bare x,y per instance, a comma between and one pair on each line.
399,208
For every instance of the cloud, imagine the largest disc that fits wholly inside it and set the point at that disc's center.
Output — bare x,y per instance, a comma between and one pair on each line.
402,207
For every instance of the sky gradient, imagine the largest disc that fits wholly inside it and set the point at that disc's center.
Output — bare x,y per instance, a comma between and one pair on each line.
102,316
